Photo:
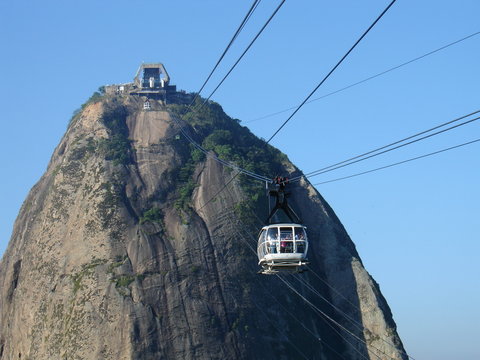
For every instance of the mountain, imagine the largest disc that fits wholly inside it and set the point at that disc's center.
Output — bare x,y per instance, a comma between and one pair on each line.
135,244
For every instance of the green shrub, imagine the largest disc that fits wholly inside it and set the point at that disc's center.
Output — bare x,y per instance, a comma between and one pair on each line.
184,194
152,215
123,280
117,147
216,131
197,155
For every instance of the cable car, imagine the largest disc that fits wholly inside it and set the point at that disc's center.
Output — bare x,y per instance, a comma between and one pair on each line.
282,246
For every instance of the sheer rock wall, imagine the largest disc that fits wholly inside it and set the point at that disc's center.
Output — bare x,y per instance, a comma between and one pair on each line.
87,276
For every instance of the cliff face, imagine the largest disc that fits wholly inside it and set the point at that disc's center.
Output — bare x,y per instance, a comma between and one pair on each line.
117,253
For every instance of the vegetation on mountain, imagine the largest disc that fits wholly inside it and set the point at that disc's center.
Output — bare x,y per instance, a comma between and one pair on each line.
101,246
117,146
232,142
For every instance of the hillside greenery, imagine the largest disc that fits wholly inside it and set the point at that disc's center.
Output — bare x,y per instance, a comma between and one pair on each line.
214,131
117,146
230,141
153,214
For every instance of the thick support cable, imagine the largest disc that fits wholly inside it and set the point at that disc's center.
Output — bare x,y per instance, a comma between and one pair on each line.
269,319
333,69
359,327
319,339
398,163
313,173
355,323
368,78
216,158
318,172
239,29
285,310
245,51
333,320
326,317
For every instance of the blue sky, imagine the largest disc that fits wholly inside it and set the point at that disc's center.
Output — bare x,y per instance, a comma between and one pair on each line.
414,225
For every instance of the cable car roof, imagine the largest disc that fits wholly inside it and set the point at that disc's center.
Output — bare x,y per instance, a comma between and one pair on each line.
284,225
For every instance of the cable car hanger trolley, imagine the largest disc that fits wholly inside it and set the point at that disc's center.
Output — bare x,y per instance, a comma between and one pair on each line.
282,246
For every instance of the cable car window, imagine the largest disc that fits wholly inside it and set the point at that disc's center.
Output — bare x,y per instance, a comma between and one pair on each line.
300,246
262,236
285,233
272,241
272,247
272,234
286,240
300,238
300,233
261,242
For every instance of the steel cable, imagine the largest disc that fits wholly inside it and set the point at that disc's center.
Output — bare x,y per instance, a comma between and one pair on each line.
358,327
332,70
385,148
216,158
245,51
355,323
334,321
239,29
325,343
368,78
398,163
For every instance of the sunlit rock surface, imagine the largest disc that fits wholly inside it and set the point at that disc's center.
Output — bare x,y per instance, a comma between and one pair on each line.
119,252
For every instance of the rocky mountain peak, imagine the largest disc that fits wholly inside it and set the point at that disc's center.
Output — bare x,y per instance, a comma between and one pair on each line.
125,249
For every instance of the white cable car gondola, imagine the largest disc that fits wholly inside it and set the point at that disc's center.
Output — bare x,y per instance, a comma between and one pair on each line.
282,246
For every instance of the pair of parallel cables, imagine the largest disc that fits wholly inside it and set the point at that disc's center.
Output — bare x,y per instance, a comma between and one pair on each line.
375,152
248,15
335,325
250,12
352,160
471,117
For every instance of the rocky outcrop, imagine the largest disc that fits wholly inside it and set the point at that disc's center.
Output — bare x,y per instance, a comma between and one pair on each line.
123,251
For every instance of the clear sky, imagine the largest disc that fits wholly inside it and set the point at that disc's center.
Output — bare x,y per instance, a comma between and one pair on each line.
414,225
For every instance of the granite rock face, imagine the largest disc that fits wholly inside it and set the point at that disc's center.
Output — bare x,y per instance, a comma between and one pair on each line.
110,258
